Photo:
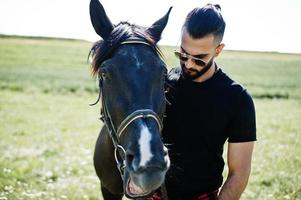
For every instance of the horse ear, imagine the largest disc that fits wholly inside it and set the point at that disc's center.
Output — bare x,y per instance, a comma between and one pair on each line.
100,21
156,29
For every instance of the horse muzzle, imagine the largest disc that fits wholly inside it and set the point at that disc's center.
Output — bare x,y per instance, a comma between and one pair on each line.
141,185
143,181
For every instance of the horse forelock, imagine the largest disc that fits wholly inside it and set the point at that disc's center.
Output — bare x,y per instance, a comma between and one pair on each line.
103,49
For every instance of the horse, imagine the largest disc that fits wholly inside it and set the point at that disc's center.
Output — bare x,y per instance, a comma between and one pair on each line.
130,158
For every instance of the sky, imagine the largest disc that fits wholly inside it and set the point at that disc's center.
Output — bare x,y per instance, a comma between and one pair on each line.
252,25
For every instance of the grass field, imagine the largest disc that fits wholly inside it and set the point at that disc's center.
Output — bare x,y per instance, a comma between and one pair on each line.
48,131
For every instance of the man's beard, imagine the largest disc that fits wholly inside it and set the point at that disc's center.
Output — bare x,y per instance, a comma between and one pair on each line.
192,74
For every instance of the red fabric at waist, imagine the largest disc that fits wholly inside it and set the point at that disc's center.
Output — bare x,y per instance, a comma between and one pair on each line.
205,196
208,196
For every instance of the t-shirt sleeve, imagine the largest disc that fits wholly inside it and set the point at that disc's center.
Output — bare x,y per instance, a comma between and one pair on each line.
243,126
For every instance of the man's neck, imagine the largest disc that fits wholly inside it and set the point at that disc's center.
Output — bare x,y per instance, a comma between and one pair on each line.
207,75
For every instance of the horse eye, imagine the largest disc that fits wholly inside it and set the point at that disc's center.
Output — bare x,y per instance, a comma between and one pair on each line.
102,74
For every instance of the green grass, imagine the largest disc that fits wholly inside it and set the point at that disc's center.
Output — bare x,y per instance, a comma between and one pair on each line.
277,158
48,131
47,146
44,65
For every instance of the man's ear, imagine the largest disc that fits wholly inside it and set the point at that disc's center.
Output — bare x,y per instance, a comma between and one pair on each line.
219,49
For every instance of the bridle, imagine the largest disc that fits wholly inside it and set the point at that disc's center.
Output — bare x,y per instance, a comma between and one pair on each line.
116,133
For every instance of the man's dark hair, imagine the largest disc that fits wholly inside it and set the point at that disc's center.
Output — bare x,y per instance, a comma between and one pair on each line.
201,22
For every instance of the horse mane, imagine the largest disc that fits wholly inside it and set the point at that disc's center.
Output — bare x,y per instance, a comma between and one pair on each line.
103,49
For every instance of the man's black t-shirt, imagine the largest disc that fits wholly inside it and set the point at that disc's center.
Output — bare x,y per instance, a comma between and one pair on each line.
201,117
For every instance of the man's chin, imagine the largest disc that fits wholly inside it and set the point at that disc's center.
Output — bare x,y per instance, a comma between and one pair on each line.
189,75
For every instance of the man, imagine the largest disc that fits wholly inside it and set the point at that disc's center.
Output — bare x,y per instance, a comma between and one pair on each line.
207,108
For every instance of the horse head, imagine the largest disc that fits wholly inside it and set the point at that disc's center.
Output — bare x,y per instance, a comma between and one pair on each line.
131,76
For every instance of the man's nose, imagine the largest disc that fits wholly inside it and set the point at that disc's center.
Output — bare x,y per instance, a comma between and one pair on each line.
189,63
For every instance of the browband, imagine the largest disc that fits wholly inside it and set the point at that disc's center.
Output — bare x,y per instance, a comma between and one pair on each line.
135,42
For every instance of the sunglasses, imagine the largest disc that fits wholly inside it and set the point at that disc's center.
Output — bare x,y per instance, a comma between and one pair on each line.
184,57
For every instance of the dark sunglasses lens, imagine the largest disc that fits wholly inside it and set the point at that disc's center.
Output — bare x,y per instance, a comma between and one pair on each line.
199,62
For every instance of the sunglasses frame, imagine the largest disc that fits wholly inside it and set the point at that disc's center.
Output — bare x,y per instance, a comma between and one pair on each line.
184,57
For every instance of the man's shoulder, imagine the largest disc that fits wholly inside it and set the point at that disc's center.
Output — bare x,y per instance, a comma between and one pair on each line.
232,85
232,89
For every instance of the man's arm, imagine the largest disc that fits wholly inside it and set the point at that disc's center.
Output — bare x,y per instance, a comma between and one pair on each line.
239,165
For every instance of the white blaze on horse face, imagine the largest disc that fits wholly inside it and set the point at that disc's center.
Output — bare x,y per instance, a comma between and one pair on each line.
145,146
